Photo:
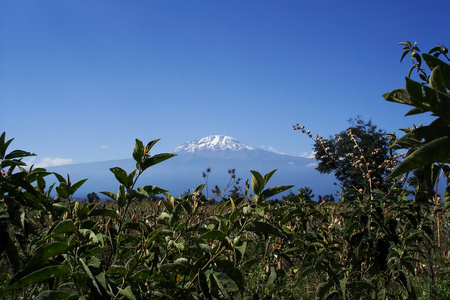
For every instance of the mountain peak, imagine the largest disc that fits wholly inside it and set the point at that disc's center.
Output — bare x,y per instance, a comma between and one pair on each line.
213,143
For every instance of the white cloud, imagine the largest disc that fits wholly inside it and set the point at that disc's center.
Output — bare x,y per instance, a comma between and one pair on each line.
306,155
48,162
271,149
104,146
311,165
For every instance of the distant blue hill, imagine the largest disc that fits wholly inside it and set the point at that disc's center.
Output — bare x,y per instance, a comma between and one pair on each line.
184,171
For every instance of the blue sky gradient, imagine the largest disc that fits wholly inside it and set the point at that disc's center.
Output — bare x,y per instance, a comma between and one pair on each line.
80,80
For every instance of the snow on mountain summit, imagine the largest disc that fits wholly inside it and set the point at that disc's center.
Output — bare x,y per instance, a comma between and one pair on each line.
213,143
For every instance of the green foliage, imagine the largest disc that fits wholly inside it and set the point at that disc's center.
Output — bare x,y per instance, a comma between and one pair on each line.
426,144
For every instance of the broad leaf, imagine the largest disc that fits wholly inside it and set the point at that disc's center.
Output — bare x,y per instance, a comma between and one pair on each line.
45,252
120,175
275,190
18,154
268,176
434,62
151,190
432,152
257,182
62,227
156,159
138,152
151,144
74,187
213,235
226,285
39,275
110,195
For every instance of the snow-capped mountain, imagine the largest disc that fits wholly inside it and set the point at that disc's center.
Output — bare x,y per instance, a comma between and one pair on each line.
218,153
213,143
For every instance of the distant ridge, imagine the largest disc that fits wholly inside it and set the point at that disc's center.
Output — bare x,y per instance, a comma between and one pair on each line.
218,153
213,143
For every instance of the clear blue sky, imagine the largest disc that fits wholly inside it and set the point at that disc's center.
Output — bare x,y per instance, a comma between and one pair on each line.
80,80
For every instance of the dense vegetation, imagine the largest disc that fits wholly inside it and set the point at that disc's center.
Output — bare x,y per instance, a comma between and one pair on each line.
383,239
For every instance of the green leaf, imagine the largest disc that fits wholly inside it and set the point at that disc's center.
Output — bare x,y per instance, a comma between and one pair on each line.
323,289
151,190
417,57
435,49
11,163
420,136
268,176
275,190
4,145
226,285
89,234
90,275
399,96
119,270
175,215
415,111
241,247
156,159
18,154
404,279
437,80
213,235
127,293
404,54
129,266
138,152
151,144
414,90
45,252
77,185
60,178
257,182
121,196
62,227
272,276
39,275
306,271
434,151
120,175
143,274
110,195
381,294
434,62
63,191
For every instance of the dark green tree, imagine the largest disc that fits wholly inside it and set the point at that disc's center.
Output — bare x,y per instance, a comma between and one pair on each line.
358,156
93,197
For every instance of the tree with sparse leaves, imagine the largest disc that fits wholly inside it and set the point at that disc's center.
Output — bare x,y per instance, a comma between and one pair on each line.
359,152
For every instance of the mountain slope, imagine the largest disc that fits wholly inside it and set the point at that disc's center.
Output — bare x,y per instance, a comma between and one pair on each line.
218,153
